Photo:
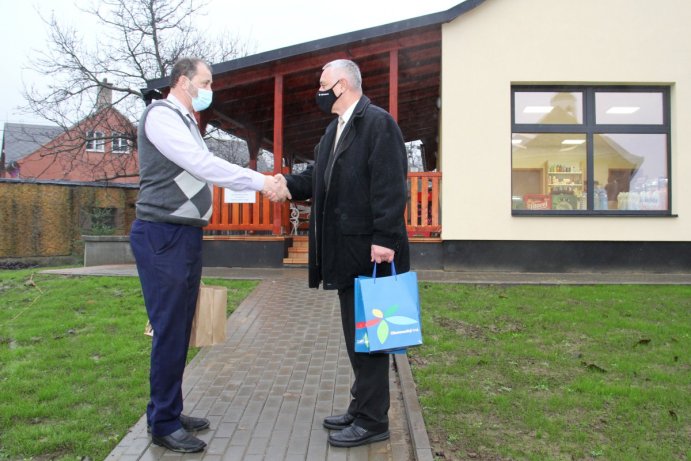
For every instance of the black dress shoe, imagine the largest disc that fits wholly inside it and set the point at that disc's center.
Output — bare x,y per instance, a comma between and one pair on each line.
354,436
190,423
338,421
179,441
193,424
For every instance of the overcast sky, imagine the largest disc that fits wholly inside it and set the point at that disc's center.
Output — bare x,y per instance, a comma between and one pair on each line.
267,24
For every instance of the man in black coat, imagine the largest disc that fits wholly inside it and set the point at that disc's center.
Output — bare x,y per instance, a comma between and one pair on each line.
358,189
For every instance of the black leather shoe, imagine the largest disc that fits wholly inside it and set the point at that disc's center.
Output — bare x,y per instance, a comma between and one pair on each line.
338,421
190,423
193,424
354,436
179,441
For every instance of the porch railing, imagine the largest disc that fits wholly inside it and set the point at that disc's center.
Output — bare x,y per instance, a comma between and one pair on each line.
422,211
241,217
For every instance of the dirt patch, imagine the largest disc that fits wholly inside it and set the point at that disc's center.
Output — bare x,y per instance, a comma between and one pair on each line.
460,450
501,326
461,327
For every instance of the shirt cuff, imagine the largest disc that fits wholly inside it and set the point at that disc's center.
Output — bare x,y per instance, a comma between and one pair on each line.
258,181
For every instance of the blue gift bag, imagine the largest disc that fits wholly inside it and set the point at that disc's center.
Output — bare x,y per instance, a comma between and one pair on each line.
387,312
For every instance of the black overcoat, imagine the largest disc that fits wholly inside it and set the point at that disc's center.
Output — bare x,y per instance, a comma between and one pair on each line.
362,204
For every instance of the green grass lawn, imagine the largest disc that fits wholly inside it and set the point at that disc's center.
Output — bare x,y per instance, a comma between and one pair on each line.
74,362
556,372
520,373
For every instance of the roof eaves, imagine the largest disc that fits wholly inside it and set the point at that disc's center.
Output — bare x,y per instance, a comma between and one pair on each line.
331,42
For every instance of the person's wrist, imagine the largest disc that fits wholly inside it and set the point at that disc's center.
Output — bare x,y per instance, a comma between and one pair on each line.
266,187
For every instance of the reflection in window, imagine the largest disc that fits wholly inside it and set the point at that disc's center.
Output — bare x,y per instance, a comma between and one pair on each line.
628,108
590,150
548,107
548,171
632,169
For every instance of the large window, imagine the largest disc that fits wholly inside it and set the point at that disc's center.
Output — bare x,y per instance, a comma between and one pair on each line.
590,150
95,141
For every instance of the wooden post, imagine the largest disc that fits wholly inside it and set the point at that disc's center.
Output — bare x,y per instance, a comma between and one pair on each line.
278,146
393,84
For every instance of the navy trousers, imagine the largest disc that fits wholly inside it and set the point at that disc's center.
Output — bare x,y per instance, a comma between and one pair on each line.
370,390
169,262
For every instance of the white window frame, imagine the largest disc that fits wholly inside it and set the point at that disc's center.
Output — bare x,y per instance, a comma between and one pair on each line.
95,141
119,143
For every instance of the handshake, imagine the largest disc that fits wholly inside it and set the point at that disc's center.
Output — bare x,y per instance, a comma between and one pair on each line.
276,188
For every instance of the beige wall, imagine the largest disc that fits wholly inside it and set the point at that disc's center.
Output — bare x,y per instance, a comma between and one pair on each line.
505,42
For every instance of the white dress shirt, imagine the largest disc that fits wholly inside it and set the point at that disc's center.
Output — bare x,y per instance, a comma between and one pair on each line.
173,139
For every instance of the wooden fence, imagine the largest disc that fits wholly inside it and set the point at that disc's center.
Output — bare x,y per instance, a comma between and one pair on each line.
422,211
239,217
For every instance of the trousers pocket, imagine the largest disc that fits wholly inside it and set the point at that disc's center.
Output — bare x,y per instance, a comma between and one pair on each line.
162,237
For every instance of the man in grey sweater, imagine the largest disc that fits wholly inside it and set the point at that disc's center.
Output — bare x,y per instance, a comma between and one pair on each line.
174,203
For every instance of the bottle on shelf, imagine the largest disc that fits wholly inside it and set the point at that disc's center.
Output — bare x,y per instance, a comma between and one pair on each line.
600,198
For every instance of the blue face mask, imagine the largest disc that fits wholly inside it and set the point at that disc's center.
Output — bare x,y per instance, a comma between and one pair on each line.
203,99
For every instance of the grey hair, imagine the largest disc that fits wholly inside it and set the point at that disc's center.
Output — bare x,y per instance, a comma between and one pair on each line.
351,70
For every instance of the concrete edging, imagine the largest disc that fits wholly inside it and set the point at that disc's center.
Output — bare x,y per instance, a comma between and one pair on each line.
422,450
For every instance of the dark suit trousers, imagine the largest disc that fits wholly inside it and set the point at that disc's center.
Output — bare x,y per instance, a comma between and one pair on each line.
370,391
169,263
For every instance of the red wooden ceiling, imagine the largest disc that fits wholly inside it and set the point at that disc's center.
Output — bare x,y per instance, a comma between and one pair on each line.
244,98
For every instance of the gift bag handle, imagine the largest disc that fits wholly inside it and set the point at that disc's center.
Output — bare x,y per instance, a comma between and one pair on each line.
374,271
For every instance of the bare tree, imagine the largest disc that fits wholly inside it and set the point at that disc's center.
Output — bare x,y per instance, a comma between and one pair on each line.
138,40
227,147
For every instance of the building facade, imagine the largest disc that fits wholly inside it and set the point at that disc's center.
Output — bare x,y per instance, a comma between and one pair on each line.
563,144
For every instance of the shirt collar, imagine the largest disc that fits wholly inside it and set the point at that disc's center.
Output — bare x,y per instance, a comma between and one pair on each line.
180,106
349,112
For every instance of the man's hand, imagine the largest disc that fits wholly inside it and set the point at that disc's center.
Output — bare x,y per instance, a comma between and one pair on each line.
275,187
381,254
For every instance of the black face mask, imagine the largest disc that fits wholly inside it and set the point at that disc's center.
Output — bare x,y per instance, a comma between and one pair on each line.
326,99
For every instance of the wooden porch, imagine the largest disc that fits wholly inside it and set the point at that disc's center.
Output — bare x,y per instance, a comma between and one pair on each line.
267,100
264,220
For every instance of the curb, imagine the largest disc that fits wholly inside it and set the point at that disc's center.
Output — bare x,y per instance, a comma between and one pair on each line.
422,450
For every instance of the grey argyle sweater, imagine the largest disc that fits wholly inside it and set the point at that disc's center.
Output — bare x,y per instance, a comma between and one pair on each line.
168,193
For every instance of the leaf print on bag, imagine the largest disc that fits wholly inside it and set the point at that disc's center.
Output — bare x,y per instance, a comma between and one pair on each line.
383,319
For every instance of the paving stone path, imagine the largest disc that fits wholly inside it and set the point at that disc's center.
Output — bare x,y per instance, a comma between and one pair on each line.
266,390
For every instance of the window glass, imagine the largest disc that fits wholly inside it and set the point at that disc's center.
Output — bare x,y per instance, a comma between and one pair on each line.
546,107
628,108
95,141
120,144
630,171
548,171
590,150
